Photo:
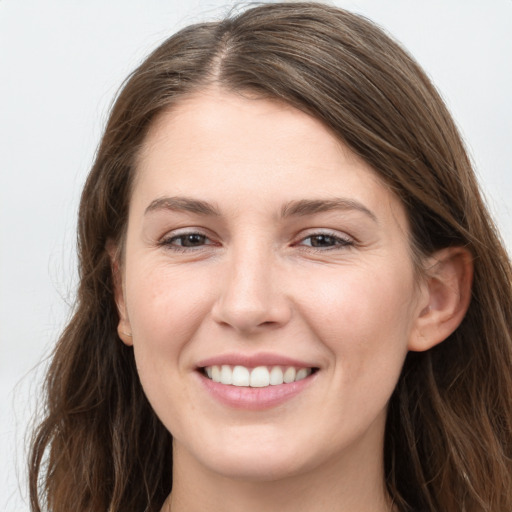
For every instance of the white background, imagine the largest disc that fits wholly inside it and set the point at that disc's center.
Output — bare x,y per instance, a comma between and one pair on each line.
61,63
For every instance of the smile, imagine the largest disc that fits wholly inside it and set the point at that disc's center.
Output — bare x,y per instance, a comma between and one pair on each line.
258,377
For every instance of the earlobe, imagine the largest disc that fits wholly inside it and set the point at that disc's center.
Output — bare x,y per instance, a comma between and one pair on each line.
446,297
123,327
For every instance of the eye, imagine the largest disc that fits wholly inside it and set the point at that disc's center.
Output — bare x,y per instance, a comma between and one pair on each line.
184,241
326,241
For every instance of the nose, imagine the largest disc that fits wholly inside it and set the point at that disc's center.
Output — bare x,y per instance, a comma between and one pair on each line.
251,298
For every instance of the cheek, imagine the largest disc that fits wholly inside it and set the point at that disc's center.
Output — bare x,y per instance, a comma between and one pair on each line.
364,317
165,308
363,298
165,312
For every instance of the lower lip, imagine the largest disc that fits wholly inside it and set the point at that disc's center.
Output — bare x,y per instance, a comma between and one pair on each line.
255,399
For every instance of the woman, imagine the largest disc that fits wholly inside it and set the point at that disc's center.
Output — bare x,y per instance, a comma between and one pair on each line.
291,294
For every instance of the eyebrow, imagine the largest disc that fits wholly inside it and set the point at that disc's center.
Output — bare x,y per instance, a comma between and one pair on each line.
184,204
311,206
302,207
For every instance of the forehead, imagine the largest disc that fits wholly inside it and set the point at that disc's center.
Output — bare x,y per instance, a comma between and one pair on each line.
213,120
225,146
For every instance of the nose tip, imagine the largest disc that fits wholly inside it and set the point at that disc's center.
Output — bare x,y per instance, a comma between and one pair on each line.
251,301
246,317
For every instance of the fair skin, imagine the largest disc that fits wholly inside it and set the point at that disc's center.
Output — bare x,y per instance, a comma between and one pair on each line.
257,239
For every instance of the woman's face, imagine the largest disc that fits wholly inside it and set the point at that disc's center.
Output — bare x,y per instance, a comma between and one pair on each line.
256,239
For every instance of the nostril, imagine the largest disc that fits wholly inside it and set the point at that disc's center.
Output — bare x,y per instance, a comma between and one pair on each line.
249,305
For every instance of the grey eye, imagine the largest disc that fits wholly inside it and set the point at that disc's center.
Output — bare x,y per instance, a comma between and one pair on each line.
325,241
322,240
189,240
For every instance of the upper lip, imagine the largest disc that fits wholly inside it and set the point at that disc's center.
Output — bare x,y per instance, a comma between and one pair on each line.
254,360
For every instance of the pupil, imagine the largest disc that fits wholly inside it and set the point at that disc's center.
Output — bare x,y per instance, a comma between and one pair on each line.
192,240
322,240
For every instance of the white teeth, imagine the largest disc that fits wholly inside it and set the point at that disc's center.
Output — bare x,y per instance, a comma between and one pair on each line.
215,373
241,376
226,375
259,377
289,375
276,376
301,374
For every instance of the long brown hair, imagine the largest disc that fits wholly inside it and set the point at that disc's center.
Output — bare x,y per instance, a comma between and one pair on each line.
448,443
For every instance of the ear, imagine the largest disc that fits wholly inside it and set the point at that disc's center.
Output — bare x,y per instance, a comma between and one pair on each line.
445,297
124,329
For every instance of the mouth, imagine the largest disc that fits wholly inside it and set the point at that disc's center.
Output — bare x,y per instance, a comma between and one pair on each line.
255,377
258,381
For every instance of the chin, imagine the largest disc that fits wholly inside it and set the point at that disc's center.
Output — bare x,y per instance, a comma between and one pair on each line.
256,457
257,467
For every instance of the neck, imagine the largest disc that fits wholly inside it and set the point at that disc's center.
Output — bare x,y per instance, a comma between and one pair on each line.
355,484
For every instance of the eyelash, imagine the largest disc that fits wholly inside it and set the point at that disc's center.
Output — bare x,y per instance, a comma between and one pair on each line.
168,242
338,242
